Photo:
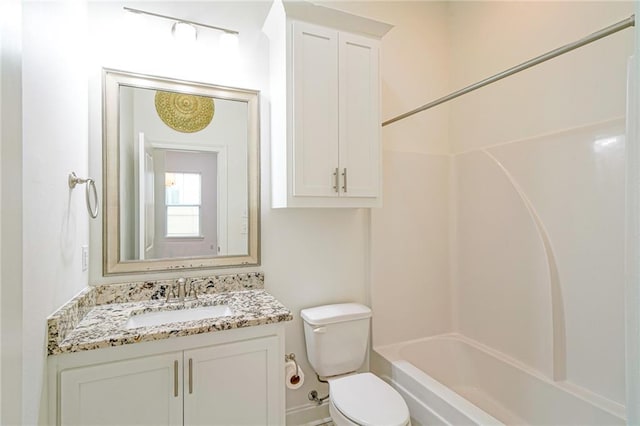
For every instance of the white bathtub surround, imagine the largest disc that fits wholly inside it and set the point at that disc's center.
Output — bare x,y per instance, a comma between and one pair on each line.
535,213
632,230
540,267
536,264
452,379
539,186
559,350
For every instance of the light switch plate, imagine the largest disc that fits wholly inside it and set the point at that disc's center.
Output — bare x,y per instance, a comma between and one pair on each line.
85,258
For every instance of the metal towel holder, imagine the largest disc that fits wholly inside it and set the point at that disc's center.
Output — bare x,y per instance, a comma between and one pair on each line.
91,185
292,357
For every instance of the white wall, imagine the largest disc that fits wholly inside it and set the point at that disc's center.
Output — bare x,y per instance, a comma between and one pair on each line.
55,219
410,234
539,188
202,62
312,257
11,212
309,257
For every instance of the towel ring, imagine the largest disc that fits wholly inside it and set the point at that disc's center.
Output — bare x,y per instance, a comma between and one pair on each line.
91,187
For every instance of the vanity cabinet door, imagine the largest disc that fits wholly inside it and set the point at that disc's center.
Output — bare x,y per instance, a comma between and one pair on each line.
234,384
142,391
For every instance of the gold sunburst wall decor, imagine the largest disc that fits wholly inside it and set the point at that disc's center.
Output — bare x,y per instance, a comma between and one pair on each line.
184,113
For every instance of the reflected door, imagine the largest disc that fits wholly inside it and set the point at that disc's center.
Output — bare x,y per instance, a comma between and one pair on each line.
146,219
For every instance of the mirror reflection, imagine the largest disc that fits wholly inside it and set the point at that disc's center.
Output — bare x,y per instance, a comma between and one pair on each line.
180,198
182,171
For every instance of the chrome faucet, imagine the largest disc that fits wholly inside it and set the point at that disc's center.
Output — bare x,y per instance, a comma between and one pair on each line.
170,293
181,292
192,290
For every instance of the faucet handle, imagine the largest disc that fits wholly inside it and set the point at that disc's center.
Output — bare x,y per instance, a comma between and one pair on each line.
192,291
170,293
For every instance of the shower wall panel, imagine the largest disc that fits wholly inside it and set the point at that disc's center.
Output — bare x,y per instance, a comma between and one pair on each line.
538,185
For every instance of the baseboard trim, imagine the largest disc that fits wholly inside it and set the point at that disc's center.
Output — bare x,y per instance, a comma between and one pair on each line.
308,415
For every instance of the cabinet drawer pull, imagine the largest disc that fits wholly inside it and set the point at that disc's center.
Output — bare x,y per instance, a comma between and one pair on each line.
190,375
344,180
175,378
336,179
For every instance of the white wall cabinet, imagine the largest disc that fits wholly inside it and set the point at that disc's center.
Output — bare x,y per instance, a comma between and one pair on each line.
231,383
325,103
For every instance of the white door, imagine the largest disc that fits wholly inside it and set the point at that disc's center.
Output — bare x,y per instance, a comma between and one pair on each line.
233,384
146,204
144,391
359,116
315,106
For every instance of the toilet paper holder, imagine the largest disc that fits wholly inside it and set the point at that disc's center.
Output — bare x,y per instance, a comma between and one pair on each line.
292,357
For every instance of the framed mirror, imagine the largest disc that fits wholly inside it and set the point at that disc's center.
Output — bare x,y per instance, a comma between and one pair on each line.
181,173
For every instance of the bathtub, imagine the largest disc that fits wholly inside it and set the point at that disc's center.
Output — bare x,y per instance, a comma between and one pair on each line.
452,380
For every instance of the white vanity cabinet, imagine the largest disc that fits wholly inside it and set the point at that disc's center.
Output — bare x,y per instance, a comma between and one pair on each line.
138,391
233,384
237,381
325,107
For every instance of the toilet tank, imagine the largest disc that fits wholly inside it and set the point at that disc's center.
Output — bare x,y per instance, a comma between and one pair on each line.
336,337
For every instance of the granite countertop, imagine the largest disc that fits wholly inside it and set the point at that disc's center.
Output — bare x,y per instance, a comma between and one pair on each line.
97,317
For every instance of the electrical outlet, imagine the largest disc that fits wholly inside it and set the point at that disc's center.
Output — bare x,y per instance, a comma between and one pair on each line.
85,258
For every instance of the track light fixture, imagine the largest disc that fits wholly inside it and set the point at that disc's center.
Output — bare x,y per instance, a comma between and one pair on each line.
184,29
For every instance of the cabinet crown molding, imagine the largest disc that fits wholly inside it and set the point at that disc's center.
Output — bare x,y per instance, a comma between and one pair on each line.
334,18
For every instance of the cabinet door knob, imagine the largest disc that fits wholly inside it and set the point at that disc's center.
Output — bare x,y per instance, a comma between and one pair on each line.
336,180
344,180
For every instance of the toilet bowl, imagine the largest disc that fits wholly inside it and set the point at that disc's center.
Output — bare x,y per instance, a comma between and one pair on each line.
366,400
336,338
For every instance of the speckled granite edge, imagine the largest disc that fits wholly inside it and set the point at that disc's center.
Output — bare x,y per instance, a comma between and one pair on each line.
155,290
107,325
67,317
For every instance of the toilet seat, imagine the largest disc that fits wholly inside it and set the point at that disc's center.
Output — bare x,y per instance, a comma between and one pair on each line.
367,400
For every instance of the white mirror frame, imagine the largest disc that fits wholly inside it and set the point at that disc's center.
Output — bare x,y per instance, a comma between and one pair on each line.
112,264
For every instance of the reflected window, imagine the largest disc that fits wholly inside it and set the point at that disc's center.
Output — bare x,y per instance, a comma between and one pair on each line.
183,204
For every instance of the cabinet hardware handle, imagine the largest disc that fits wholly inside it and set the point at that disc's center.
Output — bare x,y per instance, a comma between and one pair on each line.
175,378
344,180
190,375
336,180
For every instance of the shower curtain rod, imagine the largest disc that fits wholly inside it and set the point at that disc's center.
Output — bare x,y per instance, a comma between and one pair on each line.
612,29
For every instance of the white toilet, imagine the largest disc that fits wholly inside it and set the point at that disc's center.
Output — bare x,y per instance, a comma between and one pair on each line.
337,342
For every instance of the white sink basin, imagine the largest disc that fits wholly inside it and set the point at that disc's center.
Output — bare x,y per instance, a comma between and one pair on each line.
151,319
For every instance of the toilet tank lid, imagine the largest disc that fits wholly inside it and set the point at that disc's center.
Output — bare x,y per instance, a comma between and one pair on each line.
330,314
